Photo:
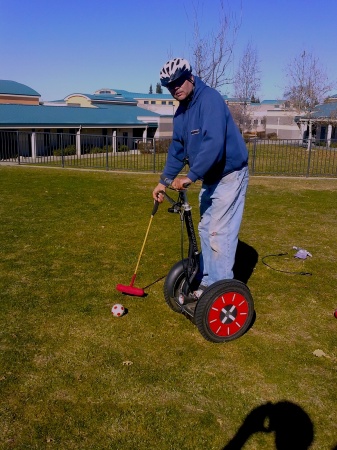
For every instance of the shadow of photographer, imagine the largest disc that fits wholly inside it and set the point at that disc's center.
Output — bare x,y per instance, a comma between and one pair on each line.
291,425
246,258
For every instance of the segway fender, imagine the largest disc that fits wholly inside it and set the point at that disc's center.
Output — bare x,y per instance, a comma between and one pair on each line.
175,273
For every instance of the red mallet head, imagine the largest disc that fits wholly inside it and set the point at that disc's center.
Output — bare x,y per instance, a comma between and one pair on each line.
130,290
335,313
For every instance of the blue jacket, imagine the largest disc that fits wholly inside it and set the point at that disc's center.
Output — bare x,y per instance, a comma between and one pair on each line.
205,134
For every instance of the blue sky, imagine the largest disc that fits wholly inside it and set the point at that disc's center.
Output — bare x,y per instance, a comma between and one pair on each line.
60,47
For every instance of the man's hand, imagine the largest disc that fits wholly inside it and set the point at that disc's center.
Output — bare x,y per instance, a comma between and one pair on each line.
178,183
156,194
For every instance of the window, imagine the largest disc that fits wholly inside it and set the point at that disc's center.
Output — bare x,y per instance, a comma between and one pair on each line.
163,102
146,102
125,137
170,103
153,102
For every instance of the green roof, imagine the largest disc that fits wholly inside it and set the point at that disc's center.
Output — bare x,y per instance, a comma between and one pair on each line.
322,111
105,98
325,110
136,95
272,102
13,88
122,96
67,116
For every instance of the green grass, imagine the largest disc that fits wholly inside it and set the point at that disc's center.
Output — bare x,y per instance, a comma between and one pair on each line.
74,377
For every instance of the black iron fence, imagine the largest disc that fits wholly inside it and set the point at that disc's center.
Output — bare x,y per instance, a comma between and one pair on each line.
307,158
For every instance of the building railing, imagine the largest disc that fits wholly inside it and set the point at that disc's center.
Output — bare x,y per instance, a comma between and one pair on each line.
290,157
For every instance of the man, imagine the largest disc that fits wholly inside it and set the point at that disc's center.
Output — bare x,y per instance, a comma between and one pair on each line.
206,137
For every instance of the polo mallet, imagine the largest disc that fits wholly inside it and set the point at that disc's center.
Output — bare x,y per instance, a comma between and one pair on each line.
131,289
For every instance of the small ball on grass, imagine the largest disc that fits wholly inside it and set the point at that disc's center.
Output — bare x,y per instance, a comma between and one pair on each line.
118,310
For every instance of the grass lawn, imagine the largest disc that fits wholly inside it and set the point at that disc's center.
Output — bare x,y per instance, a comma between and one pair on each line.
74,377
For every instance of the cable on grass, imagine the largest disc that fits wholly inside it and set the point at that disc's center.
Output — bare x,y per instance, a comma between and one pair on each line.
283,271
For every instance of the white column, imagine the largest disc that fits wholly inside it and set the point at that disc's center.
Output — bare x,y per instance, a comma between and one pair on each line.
78,143
278,125
303,129
33,142
145,135
114,141
329,134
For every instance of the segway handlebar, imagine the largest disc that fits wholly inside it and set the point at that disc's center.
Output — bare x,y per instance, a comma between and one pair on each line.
168,183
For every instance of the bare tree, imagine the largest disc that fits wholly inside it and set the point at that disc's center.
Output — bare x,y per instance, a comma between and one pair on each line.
247,78
308,83
246,85
212,52
241,117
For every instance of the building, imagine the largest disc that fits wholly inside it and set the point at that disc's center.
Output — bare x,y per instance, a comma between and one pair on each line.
125,118
263,119
13,93
321,123
113,115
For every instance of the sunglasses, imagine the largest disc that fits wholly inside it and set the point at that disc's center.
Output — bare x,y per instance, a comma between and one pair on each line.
176,83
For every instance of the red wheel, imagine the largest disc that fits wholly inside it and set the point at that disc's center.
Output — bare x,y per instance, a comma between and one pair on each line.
224,311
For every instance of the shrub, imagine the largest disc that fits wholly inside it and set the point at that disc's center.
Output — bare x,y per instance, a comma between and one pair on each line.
162,145
66,151
145,147
159,146
272,136
249,136
97,150
123,148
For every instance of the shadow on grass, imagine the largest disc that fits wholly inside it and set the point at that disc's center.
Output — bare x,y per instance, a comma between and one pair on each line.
246,258
291,425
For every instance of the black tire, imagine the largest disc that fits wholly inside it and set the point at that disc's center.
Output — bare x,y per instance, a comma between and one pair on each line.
172,286
225,311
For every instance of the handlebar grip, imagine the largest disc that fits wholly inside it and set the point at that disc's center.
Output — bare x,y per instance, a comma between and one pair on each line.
168,182
155,208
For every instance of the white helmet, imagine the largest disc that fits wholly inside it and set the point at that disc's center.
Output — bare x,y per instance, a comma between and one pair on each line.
174,69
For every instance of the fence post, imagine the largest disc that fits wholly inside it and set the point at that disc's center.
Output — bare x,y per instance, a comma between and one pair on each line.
107,153
154,155
254,156
309,158
62,149
18,146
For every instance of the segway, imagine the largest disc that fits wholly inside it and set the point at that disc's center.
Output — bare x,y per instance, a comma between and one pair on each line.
225,309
